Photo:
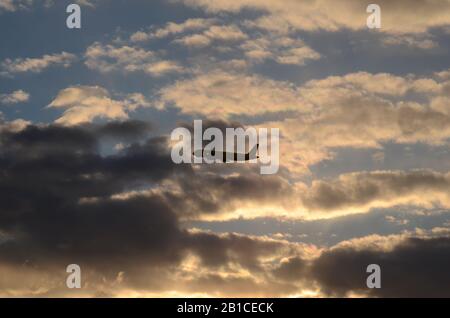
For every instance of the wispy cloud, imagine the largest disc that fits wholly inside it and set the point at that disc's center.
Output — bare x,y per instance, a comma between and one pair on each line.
127,59
83,104
398,16
171,29
425,42
14,5
15,97
282,49
10,67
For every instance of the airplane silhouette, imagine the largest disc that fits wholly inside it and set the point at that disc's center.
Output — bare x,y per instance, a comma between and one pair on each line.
228,157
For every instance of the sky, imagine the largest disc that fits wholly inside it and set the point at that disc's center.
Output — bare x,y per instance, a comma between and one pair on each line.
87,178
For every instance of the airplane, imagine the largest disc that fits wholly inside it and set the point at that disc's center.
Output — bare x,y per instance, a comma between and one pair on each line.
235,157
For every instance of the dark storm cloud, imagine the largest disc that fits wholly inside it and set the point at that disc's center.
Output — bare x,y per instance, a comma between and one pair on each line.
291,270
218,188
130,129
412,267
244,287
209,194
111,235
56,206
219,250
36,141
52,163
47,172
417,267
362,189
222,125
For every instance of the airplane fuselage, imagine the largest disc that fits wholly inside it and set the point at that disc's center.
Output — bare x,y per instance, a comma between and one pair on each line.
225,157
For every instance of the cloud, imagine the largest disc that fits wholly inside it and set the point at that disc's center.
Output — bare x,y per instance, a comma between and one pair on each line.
231,192
7,5
362,191
291,269
356,110
363,110
398,17
225,33
195,40
62,209
98,189
414,267
221,88
215,33
87,3
248,195
238,39
15,97
236,196
15,125
71,154
172,28
421,42
14,5
164,67
126,130
83,104
282,49
108,58
220,94
256,47
11,67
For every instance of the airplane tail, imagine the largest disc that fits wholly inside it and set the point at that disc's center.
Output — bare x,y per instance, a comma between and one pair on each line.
253,154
